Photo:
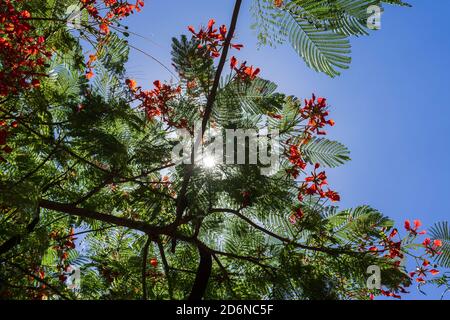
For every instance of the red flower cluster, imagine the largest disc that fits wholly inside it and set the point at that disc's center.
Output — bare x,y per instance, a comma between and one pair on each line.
316,113
116,10
41,291
212,38
422,271
431,247
413,230
393,250
296,216
314,185
278,3
296,159
22,52
154,262
155,102
90,66
392,247
63,246
244,72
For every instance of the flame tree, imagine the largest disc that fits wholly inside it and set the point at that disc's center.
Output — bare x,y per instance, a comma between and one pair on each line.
86,158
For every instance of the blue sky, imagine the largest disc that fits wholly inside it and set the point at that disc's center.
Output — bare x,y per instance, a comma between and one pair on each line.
391,107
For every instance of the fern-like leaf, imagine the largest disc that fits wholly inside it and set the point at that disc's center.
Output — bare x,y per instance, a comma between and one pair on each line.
441,231
326,152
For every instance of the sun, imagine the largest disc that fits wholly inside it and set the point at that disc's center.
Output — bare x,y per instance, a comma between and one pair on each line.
209,162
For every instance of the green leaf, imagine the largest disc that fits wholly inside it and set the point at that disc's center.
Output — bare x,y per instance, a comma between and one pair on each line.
326,152
441,231
323,50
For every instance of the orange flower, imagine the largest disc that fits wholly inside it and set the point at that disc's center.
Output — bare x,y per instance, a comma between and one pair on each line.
154,262
104,28
278,3
233,62
89,74
131,84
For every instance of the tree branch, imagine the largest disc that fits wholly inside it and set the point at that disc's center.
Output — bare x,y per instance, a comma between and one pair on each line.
182,200
330,251
85,213
203,274
166,268
144,268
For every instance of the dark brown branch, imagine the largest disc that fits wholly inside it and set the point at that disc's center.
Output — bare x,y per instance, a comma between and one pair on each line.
144,268
84,232
203,274
166,268
182,199
123,222
330,251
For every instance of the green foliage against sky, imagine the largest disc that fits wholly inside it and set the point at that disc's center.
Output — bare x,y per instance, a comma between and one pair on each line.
87,161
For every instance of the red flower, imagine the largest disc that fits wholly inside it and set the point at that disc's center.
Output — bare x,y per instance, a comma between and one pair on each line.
278,4
315,182
233,62
156,102
89,74
434,272
211,38
251,73
223,31
390,294
237,46
432,247
131,84
296,216
25,14
275,116
154,262
104,28
211,23
315,113
420,280
139,5
22,51
393,233
413,230
246,73
333,196
295,158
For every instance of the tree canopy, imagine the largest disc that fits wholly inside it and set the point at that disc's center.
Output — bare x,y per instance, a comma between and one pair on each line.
87,158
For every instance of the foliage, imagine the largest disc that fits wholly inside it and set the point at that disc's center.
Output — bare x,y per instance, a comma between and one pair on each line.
318,30
87,180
